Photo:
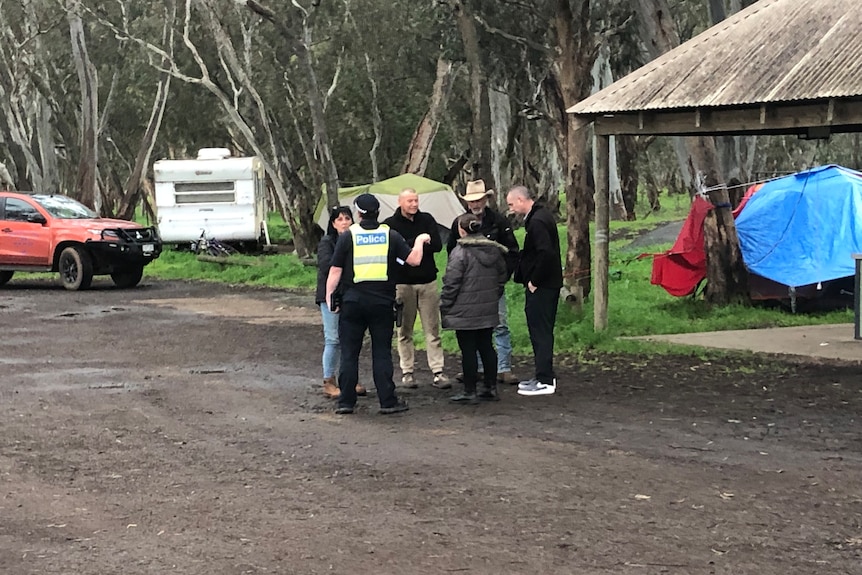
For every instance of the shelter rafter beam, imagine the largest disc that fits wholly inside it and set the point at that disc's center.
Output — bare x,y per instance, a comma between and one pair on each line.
807,120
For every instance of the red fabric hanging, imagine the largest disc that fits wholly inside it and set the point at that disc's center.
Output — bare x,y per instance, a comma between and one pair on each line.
683,267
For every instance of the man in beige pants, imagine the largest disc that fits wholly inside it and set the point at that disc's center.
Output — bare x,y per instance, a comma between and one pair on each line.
417,289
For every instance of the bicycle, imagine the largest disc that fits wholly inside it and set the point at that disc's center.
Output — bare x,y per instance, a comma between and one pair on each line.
212,247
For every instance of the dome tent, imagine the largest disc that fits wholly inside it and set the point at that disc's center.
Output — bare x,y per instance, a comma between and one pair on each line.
798,235
435,198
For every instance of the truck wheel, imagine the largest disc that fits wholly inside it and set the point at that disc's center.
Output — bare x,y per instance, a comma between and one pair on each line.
5,277
127,277
76,268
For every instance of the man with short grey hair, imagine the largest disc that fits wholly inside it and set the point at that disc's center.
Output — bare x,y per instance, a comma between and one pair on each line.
540,270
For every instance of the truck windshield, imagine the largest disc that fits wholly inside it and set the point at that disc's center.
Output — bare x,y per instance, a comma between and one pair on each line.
65,208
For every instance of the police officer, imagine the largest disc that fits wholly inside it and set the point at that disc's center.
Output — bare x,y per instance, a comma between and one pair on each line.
363,262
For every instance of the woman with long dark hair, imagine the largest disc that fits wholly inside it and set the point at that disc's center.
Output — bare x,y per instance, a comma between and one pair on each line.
340,218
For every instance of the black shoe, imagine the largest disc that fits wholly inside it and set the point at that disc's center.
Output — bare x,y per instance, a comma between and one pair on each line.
343,410
488,395
397,408
467,398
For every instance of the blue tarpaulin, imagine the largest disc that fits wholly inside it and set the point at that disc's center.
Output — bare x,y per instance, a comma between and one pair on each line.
803,229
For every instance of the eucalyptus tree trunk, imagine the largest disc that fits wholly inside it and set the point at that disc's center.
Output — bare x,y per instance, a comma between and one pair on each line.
500,106
132,192
603,77
376,122
247,116
726,274
88,162
627,152
735,153
480,107
570,82
26,102
301,47
376,119
659,34
423,137
318,119
727,278
6,181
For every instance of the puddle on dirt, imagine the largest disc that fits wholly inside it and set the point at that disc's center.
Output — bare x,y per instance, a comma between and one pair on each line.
52,379
250,310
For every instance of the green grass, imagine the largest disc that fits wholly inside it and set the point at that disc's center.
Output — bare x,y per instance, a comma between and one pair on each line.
279,231
279,271
635,307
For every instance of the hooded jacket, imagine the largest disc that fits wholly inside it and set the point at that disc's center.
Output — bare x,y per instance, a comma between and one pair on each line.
495,226
473,283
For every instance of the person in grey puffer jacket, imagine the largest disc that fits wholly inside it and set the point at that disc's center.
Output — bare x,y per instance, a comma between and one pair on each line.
474,281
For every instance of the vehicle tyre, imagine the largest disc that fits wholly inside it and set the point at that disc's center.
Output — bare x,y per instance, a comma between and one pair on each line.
5,277
127,277
76,268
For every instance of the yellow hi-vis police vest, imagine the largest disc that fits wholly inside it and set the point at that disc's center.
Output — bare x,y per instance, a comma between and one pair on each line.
370,253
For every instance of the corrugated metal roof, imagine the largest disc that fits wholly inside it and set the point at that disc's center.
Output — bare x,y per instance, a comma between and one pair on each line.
773,51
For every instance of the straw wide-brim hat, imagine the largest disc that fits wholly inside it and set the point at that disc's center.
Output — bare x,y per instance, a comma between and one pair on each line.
476,191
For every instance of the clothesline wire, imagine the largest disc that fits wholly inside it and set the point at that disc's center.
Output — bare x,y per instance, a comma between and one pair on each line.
703,191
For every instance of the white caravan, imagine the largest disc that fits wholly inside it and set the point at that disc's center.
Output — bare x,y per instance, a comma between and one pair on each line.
216,196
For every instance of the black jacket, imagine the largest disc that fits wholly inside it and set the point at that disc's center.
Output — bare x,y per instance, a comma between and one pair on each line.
324,257
422,222
540,261
495,227
473,283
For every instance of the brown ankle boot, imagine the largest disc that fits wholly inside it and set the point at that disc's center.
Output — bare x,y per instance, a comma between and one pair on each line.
360,389
330,388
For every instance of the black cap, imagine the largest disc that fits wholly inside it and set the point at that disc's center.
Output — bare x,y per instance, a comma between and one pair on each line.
366,203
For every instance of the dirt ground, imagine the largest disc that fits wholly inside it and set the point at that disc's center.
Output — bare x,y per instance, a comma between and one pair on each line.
178,428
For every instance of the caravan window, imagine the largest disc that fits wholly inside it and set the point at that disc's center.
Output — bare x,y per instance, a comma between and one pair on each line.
204,192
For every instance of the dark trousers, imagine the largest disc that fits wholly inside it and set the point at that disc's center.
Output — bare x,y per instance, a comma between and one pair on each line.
471,341
540,307
353,319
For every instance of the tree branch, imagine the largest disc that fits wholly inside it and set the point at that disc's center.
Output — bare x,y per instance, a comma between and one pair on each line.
517,39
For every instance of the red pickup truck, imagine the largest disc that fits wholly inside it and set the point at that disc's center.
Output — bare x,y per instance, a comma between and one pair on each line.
54,233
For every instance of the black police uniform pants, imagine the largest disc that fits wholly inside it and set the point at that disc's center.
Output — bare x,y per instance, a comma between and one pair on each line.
540,307
353,320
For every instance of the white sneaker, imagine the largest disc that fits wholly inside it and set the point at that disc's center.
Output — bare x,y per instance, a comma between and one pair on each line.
528,384
535,387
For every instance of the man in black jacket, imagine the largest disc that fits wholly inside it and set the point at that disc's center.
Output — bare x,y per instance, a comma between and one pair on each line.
540,270
496,227
417,290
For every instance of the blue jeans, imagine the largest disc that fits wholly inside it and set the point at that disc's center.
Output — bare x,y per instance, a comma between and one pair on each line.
331,346
502,338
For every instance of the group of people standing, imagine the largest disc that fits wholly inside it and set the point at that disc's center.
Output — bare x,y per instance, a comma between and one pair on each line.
367,270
